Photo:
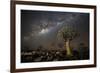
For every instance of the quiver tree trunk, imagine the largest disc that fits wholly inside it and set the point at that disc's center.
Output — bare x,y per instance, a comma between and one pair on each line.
68,49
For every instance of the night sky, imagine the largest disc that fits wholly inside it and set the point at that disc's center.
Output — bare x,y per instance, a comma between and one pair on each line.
40,28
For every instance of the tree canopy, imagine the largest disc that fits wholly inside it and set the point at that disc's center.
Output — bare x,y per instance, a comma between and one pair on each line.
67,33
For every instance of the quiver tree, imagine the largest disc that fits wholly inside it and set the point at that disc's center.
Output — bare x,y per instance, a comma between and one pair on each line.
67,34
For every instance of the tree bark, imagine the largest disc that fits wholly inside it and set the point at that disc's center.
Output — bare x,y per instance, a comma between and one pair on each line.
68,49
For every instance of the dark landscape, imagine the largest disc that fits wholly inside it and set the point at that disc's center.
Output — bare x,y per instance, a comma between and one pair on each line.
41,55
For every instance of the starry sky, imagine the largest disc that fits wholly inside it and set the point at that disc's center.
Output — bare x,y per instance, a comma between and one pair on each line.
40,28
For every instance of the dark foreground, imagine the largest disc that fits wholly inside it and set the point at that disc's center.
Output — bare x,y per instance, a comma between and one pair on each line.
52,55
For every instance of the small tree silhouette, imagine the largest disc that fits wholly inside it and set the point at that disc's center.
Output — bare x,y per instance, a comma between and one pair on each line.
67,34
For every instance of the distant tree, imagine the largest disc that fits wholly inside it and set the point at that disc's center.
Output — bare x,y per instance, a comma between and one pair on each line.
81,45
67,34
